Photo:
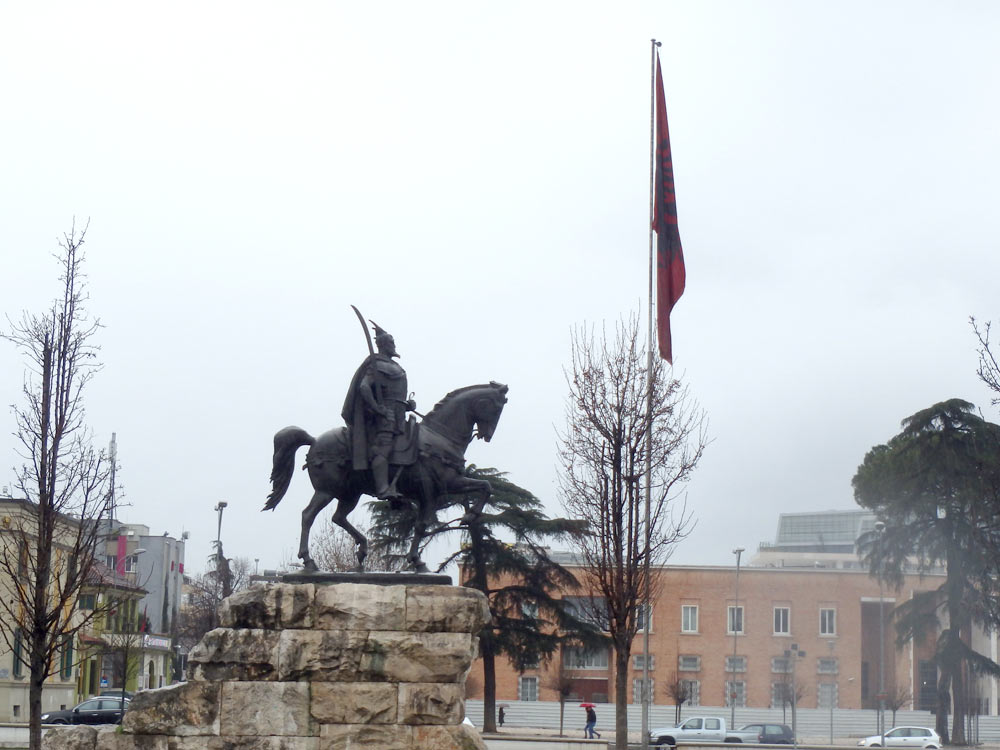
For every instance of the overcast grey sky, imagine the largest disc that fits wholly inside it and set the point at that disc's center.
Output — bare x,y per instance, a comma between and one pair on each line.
474,177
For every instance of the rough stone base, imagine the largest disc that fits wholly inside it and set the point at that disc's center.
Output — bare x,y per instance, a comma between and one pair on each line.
345,666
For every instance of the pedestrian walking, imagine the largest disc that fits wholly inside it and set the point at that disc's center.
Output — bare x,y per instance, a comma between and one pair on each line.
589,731
500,715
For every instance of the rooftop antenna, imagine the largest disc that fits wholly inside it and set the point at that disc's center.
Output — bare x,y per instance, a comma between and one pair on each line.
113,455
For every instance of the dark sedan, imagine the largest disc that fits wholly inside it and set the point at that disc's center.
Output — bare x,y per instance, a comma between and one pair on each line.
103,710
771,734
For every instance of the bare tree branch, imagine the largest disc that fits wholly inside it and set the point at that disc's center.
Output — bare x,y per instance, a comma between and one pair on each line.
604,447
49,544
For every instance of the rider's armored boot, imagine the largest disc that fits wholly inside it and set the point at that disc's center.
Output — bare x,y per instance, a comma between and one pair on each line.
380,472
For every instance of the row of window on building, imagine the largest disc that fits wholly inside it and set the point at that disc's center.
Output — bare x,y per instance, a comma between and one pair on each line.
782,620
595,612
690,692
598,659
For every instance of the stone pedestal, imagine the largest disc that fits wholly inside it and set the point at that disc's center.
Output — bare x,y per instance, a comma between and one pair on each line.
315,667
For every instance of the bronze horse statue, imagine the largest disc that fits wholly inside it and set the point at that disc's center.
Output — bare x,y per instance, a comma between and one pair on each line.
436,469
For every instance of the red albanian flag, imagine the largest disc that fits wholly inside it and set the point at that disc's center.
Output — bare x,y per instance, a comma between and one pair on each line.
669,254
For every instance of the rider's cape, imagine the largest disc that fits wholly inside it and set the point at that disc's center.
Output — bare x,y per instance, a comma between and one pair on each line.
354,415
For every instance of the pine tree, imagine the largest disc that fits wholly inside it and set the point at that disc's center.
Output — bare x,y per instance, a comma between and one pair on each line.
518,577
936,487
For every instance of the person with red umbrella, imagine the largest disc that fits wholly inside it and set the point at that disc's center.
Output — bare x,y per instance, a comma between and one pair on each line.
588,731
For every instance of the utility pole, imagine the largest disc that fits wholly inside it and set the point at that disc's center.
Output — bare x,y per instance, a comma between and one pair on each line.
736,608
880,530
794,654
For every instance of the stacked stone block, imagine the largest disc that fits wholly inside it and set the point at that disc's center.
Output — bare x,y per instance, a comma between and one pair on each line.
316,667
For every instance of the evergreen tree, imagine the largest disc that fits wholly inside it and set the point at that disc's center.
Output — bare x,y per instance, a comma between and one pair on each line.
936,486
518,577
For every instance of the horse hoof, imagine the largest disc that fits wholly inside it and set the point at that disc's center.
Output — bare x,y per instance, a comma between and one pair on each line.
420,567
309,567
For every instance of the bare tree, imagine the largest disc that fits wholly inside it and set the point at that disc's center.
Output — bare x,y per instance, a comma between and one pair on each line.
335,550
679,691
604,461
989,368
205,594
64,480
563,684
898,698
790,693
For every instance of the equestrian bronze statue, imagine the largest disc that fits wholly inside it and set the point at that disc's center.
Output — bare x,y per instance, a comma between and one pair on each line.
383,454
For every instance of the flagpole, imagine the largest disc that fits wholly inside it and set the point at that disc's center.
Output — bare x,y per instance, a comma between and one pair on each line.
647,608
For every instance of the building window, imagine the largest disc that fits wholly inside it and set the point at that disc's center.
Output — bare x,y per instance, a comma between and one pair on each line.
734,625
18,666
826,695
689,663
590,610
781,665
736,693
66,658
736,664
640,618
131,563
782,618
828,622
527,689
693,690
86,601
111,561
17,710
638,661
689,618
529,610
575,657
927,693
826,666
637,690
781,694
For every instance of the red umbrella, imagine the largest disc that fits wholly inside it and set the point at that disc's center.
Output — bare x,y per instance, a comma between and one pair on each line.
588,705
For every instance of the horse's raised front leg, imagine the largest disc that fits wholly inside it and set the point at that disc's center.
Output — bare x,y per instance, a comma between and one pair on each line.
340,518
319,501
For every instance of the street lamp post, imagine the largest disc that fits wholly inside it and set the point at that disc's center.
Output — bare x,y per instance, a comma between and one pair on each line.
732,685
220,506
794,654
880,531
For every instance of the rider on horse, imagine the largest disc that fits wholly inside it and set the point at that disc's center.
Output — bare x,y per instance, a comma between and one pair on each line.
375,410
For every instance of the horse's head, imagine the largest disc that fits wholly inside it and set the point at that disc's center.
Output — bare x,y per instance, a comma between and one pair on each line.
486,409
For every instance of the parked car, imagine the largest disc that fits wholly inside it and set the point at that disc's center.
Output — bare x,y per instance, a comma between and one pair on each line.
920,737
100,710
116,691
695,729
770,734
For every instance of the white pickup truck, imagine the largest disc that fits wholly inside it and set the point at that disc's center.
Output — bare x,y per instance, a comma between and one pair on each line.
698,729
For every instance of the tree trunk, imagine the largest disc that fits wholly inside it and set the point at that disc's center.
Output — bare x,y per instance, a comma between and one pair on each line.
36,680
958,716
621,697
489,682
943,701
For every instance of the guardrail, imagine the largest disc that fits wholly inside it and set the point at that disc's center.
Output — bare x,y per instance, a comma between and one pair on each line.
813,725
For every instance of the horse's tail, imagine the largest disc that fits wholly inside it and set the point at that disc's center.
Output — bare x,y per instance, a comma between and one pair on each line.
286,442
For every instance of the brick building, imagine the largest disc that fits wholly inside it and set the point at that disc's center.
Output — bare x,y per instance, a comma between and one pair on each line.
830,615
